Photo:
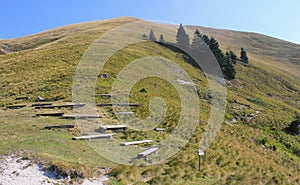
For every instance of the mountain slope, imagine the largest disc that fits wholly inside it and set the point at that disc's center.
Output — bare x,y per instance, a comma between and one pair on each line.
275,53
263,99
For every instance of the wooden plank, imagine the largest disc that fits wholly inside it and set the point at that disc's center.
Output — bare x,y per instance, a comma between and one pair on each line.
113,127
119,104
147,152
60,106
99,136
40,104
45,107
81,116
54,114
70,105
59,126
136,142
17,106
159,129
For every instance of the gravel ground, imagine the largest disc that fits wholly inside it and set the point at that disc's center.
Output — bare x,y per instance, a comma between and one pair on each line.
15,170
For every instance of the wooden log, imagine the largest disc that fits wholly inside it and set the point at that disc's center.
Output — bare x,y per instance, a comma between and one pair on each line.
147,152
15,106
54,114
99,136
40,104
136,142
113,127
119,104
59,126
81,116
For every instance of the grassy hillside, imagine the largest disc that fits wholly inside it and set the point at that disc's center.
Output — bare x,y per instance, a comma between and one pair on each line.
272,52
264,99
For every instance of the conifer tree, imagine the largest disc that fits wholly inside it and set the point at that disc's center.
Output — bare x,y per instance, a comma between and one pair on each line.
182,38
161,39
228,68
197,40
244,57
152,36
214,47
205,39
233,57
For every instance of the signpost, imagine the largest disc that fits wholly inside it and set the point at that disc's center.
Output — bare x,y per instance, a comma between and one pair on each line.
201,153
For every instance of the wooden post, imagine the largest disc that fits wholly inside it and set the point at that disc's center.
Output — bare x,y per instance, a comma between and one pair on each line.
199,163
201,153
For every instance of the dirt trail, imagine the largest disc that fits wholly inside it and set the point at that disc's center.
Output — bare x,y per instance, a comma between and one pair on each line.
15,170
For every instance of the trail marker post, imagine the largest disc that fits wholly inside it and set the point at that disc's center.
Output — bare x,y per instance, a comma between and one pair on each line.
200,153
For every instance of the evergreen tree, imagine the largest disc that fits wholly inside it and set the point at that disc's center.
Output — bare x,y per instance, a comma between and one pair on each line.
244,57
197,32
233,57
161,39
182,38
214,47
197,40
228,68
205,39
152,36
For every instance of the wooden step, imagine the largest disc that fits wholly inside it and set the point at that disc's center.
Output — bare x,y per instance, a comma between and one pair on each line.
119,104
40,104
60,106
99,136
53,114
81,116
59,126
147,152
113,127
136,142
17,106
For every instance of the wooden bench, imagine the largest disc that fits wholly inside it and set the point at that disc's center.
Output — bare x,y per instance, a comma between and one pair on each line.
113,127
60,106
145,153
15,106
40,104
53,114
136,142
118,104
59,126
99,136
81,116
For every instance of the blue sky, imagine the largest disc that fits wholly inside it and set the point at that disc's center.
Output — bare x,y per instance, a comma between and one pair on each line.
278,18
